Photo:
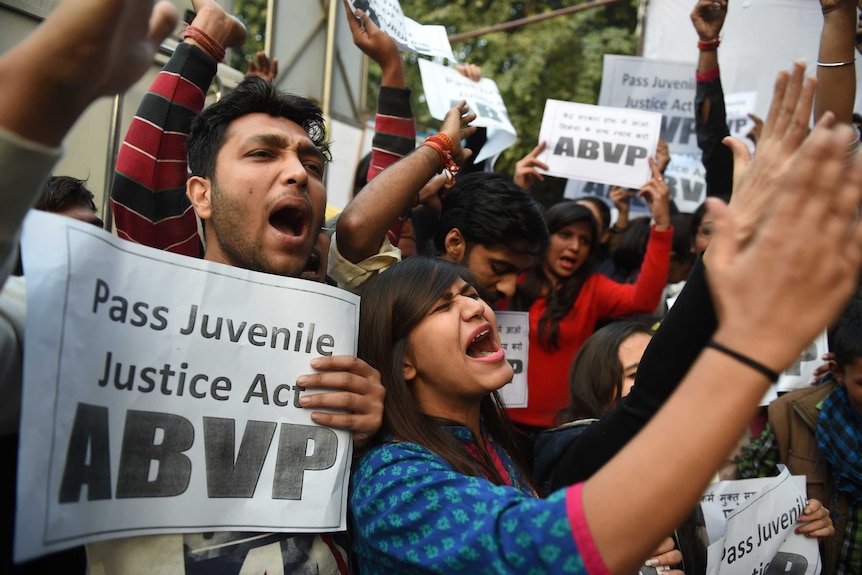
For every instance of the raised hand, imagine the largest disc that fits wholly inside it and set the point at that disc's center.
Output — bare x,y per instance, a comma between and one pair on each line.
455,126
656,194
355,391
756,183
810,238
264,67
378,46
527,168
84,50
471,71
708,18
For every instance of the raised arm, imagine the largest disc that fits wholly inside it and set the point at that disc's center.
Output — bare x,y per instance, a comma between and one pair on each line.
643,296
363,223
84,50
836,61
148,197
692,320
756,288
710,113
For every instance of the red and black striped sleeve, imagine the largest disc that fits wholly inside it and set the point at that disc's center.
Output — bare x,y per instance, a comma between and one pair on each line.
148,197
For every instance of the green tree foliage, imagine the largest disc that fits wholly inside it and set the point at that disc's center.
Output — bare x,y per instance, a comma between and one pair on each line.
559,58
253,15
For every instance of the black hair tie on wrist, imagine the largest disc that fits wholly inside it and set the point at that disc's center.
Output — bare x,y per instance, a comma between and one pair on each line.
773,376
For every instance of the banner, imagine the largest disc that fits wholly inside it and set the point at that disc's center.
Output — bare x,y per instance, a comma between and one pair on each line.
514,330
160,394
759,535
408,34
656,86
685,180
598,144
444,87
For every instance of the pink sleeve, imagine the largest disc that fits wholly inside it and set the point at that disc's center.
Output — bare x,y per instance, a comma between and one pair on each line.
581,532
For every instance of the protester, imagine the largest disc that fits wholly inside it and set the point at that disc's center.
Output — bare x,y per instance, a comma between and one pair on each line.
566,299
69,197
602,212
257,160
84,50
817,432
443,439
710,113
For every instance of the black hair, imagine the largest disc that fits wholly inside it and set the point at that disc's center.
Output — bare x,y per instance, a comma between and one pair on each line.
846,342
696,219
596,376
253,95
602,206
393,304
63,192
536,284
492,211
629,255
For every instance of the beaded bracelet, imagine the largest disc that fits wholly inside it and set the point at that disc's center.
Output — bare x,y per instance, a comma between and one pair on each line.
206,41
772,375
443,145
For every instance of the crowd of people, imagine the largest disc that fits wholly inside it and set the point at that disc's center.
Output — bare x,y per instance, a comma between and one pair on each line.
650,340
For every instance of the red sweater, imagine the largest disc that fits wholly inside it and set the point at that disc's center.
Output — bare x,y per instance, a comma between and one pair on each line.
600,298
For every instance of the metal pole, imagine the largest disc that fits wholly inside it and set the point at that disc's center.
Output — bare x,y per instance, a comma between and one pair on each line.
639,30
114,147
330,58
270,27
531,19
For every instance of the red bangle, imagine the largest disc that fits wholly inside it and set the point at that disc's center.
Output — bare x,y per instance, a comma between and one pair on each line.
206,41
708,45
443,146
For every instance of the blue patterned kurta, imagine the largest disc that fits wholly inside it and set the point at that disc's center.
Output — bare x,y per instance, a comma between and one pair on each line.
413,514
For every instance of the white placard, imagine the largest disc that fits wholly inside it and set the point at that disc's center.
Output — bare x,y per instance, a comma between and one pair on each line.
737,107
514,330
599,144
160,394
762,516
657,86
408,34
801,373
686,181
444,87
685,178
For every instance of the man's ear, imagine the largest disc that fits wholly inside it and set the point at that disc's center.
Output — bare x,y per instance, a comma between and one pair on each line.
455,246
199,191
408,370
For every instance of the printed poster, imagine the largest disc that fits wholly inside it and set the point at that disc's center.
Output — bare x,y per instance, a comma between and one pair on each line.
598,144
514,330
444,87
408,34
758,535
160,394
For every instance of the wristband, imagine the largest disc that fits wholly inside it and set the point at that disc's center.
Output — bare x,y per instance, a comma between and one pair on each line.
770,374
206,41
708,45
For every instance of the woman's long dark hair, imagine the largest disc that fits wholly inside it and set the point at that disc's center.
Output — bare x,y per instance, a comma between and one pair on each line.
393,304
537,284
595,378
